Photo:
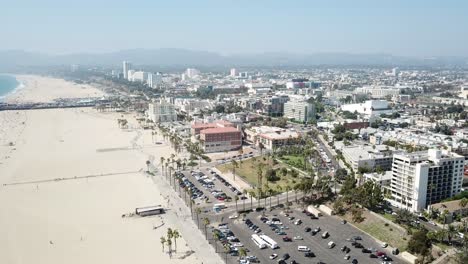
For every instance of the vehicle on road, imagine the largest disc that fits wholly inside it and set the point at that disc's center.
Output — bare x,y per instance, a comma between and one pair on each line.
303,249
298,222
298,238
273,256
325,234
287,239
331,244
270,242
309,255
259,241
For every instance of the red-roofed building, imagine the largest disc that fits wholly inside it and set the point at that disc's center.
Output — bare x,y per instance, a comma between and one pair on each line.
197,127
219,139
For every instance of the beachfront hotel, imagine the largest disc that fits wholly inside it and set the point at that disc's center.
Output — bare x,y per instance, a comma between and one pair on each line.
161,111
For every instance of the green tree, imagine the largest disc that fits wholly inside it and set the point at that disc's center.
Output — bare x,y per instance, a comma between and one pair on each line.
163,241
206,222
175,236
419,243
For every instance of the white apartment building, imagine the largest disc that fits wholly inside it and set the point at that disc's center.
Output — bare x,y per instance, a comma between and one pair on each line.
190,72
423,178
233,72
369,108
300,111
368,157
162,111
378,92
154,80
126,67
138,76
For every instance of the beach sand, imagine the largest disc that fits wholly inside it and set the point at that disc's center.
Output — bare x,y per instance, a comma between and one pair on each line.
49,216
37,89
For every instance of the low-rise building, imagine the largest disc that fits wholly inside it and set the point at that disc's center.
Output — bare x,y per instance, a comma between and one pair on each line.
198,127
452,209
369,108
272,137
368,157
220,139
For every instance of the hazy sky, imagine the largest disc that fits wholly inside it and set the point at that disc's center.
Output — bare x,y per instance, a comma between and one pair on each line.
400,27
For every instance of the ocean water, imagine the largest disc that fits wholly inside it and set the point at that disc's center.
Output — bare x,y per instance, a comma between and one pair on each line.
8,84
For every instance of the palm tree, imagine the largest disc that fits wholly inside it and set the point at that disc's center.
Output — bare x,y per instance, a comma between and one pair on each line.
463,202
169,245
236,198
162,165
279,189
198,211
244,192
234,166
147,165
242,253
175,235
163,241
206,222
451,232
251,194
227,249
288,188
216,237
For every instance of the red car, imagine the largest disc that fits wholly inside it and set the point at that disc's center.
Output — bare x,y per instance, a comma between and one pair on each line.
380,254
287,239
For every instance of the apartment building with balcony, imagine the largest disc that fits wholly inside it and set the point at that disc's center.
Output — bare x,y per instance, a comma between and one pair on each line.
423,178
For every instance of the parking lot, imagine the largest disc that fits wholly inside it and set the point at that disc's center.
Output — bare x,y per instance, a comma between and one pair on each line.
339,233
209,187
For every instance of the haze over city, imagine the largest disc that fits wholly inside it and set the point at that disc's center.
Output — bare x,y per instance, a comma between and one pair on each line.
404,28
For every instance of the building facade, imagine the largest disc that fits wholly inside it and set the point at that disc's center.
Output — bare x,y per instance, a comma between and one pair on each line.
162,111
126,67
220,139
423,178
300,111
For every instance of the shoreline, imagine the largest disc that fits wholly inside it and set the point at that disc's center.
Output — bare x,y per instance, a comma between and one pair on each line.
20,85
78,220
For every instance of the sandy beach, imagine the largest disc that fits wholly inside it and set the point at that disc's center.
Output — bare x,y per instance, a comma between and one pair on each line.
45,89
66,178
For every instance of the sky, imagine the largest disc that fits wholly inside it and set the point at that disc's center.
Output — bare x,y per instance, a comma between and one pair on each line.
399,27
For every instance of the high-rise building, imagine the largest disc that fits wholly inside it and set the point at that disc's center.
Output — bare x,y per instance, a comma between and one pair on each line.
234,72
300,111
126,67
153,79
138,76
423,178
161,111
190,72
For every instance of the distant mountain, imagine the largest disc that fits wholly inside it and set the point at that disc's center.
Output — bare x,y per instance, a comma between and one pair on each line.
174,57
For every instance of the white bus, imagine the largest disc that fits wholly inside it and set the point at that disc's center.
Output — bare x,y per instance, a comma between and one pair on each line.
270,242
219,206
258,241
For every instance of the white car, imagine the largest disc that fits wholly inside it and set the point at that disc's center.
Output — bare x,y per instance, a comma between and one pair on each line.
297,238
273,256
346,257
238,245
244,261
233,216
384,245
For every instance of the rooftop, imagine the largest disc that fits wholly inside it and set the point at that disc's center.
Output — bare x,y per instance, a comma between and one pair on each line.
217,130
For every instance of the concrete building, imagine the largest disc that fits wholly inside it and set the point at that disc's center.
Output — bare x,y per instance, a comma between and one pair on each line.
258,88
271,137
273,105
161,111
138,76
368,157
126,67
130,75
154,79
423,178
378,92
196,128
191,73
233,72
220,139
300,111
369,108
382,179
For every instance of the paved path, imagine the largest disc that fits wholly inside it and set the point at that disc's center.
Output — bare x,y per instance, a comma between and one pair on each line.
179,216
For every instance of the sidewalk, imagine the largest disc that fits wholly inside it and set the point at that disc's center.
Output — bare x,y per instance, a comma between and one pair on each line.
179,215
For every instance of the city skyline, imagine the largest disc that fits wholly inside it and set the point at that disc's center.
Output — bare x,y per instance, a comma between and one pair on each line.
419,28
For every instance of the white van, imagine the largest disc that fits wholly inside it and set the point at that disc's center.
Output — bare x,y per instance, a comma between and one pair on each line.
303,249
